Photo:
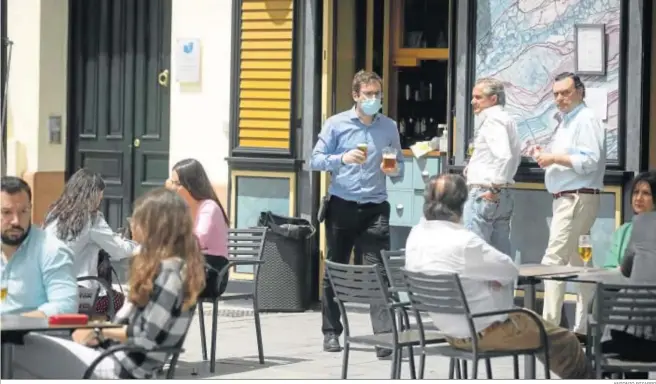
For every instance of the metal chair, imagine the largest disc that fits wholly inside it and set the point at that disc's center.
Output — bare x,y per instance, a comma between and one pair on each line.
132,348
245,247
443,294
394,262
624,306
111,311
365,285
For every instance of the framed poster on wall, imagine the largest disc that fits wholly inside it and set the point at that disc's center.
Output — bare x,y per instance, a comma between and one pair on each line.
590,49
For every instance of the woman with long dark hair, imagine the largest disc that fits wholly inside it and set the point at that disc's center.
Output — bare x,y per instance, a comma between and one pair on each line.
166,276
190,181
636,342
642,201
76,220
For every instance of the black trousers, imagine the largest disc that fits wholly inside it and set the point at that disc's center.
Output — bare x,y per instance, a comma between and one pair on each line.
631,348
213,287
348,223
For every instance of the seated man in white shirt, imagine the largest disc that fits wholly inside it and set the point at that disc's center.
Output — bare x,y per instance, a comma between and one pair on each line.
440,244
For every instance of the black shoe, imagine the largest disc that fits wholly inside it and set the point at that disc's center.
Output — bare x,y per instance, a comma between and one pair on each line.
382,353
331,343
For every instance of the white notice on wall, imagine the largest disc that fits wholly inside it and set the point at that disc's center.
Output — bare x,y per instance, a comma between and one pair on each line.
187,68
590,50
597,99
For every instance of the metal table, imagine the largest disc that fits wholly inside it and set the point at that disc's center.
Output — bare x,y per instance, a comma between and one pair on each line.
531,275
594,276
14,327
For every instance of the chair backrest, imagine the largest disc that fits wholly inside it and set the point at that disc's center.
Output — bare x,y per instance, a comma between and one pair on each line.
87,299
627,305
173,362
441,293
247,242
357,283
394,261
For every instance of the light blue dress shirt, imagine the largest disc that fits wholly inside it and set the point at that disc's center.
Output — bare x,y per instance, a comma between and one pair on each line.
582,136
361,183
39,276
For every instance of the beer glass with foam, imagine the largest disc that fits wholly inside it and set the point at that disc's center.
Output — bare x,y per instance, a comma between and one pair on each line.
389,159
3,291
585,249
363,147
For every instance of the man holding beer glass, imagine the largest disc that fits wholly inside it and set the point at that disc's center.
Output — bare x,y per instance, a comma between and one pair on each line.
574,173
360,147
492,167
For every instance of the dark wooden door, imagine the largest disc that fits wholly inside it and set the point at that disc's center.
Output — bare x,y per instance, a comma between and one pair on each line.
118,119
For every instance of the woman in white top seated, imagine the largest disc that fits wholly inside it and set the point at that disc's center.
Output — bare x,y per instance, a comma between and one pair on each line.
75,219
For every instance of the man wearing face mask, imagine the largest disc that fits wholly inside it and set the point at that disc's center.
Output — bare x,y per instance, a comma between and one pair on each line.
357,209
37,269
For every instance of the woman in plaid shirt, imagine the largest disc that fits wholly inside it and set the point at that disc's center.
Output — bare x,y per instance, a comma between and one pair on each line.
166,277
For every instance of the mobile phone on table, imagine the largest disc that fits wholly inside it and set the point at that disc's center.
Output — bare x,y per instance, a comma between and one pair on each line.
68,319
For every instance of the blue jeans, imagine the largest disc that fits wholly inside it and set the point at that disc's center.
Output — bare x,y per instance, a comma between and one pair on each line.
490,219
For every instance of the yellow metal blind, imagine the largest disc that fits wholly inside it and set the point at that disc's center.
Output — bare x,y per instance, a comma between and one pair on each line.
266,73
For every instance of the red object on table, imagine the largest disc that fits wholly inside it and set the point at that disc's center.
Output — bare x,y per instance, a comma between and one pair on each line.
68,319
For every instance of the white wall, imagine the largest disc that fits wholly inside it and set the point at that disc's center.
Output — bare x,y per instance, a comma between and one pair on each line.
200,112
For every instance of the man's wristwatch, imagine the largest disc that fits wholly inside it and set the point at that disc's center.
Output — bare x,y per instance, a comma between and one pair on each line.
97,333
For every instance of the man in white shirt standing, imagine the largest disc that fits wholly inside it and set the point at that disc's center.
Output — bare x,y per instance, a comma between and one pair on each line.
574,174
440,244
492,167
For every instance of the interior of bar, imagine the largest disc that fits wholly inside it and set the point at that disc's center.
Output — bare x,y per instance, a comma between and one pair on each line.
408,43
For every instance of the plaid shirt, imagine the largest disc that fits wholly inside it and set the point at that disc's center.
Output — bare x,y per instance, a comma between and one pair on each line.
161,323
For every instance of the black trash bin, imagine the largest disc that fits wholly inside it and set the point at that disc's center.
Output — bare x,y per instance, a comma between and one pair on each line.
284,278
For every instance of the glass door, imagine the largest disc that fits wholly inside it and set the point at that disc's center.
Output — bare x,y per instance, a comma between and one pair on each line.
354,35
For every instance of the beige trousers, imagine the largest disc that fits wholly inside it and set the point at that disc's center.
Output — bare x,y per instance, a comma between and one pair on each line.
566,356
573,215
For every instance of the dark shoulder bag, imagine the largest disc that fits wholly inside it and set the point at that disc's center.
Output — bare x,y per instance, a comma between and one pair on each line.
104,266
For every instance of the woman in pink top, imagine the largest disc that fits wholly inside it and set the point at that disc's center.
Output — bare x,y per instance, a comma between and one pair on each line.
189,180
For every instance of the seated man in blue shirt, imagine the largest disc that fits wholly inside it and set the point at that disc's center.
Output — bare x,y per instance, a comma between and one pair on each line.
37,269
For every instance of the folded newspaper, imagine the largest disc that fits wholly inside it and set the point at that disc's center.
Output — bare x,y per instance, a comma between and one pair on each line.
422,148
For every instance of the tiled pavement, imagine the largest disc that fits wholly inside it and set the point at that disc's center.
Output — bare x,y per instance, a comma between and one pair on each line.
292,349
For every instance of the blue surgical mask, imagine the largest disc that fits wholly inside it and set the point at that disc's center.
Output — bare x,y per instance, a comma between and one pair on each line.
370,106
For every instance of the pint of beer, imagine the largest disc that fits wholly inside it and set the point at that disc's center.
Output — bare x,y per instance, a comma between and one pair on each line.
470,148
363,148
389,159
585,249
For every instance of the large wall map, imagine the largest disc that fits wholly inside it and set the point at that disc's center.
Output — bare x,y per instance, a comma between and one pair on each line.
526,43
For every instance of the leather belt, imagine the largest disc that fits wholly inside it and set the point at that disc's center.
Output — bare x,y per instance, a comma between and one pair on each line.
585,191
489,186
494,188
486,330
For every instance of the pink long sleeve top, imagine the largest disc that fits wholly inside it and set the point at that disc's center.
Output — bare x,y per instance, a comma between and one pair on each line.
211,229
